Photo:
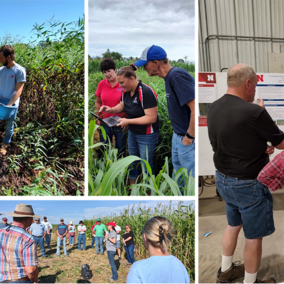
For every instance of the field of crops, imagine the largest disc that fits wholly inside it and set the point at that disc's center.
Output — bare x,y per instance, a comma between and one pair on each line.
46,156
108,174
183,220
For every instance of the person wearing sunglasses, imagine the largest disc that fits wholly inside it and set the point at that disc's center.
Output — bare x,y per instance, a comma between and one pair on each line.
129,245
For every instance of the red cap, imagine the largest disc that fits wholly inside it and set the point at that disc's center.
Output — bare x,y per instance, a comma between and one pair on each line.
111,224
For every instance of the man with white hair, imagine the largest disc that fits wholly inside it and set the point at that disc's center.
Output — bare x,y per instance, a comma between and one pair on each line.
18,255
48,228
38,231
239,132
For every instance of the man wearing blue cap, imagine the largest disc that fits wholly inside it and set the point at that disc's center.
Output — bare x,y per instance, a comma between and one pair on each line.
180,92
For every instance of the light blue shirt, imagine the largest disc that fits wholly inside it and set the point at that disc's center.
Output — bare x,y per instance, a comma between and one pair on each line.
37,229
158,269
9,77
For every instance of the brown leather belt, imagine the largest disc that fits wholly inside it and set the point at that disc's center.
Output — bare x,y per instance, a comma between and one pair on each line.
22,279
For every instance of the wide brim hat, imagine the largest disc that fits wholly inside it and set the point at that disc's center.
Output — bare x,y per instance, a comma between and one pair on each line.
23,210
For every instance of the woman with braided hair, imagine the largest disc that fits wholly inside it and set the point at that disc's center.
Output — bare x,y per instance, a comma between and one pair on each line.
161,266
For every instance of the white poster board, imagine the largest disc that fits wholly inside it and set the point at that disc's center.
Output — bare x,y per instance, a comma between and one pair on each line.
270,88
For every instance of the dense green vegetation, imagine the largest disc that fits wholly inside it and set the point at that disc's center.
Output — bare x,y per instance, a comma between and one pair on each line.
108,175
46,156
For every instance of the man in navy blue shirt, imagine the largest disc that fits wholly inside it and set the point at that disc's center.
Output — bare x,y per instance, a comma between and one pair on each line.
61,231
180,92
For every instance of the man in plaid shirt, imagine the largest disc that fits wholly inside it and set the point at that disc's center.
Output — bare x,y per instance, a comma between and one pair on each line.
18,258
272,175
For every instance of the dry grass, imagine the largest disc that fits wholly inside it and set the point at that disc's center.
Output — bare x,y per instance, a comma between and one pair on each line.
68,269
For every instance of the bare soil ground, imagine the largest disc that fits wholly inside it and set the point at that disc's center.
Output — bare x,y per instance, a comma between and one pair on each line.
63,269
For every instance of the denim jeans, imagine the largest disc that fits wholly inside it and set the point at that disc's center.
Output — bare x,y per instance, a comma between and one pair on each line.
142,146
99,243
130,253
9,128
47,240
248,203
120,138
110,255
93,241
183,156
71,240
81,238
40,241
59,244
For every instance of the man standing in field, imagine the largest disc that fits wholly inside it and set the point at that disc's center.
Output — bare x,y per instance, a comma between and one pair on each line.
180,91
100,232
12,80
48,228
38,231
118,230
18,256
239,131
62,231
4,223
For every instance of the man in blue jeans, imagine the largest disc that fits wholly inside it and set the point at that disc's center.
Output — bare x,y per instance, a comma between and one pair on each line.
81,235
180,92
239,131
61,231
100,233
38,231
12,80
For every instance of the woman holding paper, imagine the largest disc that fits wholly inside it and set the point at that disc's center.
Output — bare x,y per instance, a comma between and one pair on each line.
139,101
108,93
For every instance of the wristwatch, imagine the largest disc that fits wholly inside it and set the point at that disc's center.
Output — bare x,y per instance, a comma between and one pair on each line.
189,136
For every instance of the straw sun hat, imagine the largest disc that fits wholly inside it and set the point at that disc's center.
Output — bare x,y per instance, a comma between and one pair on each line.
23,210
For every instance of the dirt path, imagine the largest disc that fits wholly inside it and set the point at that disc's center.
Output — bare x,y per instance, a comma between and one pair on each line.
63,269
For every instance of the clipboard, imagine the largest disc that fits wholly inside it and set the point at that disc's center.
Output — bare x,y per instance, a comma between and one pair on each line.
109,121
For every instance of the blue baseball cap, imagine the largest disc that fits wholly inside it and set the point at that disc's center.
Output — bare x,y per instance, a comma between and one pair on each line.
153,52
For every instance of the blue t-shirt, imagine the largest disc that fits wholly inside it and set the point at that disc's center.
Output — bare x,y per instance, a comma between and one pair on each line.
180,89
9,77
62,229
158,269
37,229
3,226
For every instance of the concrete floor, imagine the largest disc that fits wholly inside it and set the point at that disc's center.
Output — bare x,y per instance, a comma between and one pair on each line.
212,217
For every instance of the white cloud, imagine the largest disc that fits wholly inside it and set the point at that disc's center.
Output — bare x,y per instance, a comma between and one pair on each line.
128,27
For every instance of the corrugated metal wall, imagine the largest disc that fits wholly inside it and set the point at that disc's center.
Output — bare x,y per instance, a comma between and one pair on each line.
233,31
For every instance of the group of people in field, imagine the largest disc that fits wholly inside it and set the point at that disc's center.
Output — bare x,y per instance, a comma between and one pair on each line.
122,93
18,243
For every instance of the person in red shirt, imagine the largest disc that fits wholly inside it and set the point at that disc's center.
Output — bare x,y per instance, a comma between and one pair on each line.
272,175
109,93
93,234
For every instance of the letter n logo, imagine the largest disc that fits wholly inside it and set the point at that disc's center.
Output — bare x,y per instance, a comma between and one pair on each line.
210,78
260,78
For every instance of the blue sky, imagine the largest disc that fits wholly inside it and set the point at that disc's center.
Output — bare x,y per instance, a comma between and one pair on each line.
77,210
19,16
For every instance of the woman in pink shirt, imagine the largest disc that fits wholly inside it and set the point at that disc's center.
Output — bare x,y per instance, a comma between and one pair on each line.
109,93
